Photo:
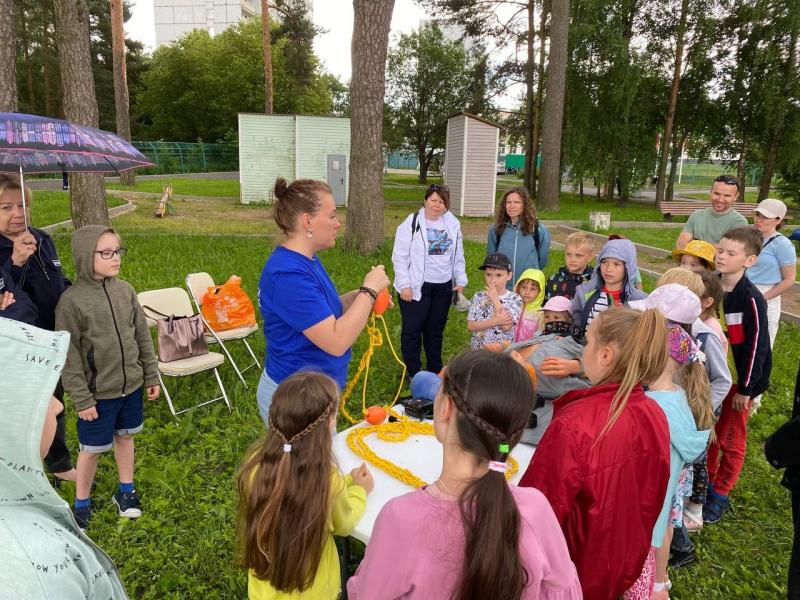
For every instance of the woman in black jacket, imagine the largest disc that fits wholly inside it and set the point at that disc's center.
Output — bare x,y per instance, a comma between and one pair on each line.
782,449
29,256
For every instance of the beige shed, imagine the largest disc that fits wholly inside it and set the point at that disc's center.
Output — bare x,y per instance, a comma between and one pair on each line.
470,164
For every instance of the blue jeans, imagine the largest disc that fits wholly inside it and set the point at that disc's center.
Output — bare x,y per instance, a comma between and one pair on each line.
264,393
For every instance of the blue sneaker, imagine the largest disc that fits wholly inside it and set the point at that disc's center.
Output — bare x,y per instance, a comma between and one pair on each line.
127,504
714,507
82,516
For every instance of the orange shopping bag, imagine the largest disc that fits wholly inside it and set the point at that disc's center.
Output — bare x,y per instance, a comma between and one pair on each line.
227,306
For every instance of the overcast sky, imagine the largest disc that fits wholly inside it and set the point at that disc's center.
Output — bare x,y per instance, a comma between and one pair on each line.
335,16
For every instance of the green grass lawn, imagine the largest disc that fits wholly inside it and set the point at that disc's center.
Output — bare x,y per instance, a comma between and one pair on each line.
50,207
185,186
184,547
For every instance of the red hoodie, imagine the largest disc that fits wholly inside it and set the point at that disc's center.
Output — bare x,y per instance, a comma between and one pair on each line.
606,494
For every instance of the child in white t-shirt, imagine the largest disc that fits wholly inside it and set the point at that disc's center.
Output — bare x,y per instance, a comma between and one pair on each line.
493,313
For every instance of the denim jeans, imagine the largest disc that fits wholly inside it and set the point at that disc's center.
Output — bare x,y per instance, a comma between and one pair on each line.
266,389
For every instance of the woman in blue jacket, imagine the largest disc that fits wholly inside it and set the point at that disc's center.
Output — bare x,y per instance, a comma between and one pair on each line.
517,233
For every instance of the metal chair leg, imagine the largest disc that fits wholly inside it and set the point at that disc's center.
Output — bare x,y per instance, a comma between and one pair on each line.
233,363
250,350
167,396
222,388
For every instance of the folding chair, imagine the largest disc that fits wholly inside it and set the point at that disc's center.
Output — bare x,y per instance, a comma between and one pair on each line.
198,284
175,301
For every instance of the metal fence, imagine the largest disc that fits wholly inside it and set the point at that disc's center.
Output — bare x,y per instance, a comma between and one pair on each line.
702,174
186,157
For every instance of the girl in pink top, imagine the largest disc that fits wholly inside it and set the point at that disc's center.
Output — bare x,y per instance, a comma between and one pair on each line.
470,534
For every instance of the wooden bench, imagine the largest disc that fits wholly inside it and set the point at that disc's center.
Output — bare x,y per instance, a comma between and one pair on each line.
684,208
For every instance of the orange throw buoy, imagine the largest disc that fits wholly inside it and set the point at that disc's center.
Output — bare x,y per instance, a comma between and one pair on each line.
381,302
375,415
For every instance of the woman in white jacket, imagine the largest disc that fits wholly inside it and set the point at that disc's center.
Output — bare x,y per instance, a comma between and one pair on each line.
428,258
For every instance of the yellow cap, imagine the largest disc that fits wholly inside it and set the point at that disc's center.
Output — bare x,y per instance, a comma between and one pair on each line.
702,250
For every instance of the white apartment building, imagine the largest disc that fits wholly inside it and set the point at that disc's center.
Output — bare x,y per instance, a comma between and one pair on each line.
174,18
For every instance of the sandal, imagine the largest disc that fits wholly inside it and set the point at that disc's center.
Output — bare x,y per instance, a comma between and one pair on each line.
714,508
692,521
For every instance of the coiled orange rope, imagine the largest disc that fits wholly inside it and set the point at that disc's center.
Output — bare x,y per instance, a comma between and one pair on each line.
398,431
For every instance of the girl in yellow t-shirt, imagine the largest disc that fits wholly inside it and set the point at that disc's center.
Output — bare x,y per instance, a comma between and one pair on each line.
292,497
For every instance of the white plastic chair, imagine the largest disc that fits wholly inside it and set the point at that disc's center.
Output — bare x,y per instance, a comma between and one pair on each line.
198,284
175,301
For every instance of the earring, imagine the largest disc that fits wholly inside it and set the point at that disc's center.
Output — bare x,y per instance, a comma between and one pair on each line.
308,233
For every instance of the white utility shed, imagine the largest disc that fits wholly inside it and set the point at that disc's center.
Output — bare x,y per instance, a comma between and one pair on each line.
471,164
294,147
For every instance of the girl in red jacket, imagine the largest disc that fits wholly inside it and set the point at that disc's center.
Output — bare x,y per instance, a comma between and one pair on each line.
603,462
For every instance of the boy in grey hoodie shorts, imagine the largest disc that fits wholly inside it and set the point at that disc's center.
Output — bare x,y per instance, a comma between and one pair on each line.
110,360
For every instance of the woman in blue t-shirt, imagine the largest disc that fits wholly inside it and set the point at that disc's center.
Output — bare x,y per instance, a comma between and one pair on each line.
307,324
776,267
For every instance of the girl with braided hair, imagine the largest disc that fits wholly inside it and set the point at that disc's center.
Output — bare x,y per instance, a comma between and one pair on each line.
603,462
471,535
293,499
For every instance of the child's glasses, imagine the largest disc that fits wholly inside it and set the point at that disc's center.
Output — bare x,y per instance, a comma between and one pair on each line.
109,254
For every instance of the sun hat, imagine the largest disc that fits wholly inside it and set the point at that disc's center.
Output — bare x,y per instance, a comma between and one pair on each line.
497,261
700,249
676,302
772,209
558,304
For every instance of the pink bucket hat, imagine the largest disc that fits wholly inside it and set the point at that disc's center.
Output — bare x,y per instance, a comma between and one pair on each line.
559,304
676,302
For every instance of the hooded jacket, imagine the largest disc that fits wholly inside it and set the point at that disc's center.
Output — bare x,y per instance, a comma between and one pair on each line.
686,443
530,320
606,492
43,552
41,277
587,294
716,363
111,352
520,248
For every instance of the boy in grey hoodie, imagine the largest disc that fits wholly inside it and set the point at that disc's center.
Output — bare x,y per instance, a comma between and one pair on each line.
110,359
613,283
43,552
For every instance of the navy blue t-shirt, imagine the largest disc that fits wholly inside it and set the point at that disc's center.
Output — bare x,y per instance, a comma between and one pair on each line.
294,293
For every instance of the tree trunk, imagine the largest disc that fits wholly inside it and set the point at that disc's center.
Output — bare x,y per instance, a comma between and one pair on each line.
371,23
537,108
550,185
87,190
26,49
121,102
673,103
266,41
529,100
777,131
8,57
46,57
677,151
740,167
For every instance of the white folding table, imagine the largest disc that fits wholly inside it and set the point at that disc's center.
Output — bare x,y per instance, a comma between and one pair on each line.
421,454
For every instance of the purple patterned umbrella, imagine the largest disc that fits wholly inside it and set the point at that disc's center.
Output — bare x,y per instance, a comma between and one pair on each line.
44,145
34,144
